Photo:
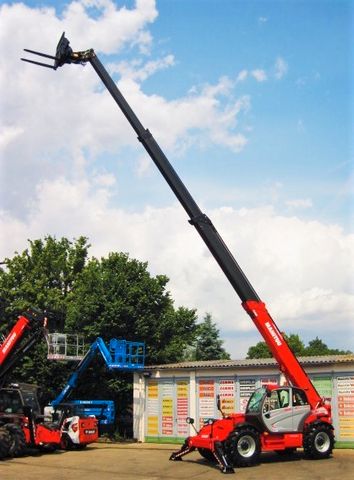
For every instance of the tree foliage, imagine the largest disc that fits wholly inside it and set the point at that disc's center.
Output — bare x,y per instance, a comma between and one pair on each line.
113,297
315,347
208,344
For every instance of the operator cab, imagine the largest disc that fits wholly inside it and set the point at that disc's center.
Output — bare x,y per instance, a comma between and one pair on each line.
15,397
278,410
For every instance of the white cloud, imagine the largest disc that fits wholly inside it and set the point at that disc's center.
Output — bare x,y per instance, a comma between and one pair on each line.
299,203
8,134
138,72
259,75
281,68
289,261
241,77
58,122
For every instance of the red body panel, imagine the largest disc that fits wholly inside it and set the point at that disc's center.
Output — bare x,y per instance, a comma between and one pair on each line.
273,441
88,430
13,337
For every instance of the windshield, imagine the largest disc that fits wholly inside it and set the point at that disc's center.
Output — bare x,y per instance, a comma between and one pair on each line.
10,401
30,399
255,401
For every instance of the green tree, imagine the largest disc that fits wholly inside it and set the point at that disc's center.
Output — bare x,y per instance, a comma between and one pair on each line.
41,277
314,347
318,347
208,345
260,350
116,297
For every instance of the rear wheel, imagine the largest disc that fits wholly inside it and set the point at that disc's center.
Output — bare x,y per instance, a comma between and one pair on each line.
243,447
5,443
17,440
319,441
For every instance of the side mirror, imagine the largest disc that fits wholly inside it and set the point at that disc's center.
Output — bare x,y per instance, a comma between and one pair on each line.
190,420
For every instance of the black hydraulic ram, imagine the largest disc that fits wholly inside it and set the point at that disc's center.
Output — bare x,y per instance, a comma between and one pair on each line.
64,54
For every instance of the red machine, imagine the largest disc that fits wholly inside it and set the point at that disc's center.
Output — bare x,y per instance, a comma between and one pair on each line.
280,419
21,423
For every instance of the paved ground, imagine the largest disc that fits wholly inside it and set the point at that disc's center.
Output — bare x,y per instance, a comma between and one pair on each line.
150,462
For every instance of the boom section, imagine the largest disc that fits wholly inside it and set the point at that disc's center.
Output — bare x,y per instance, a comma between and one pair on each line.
250,299
198,219
13,338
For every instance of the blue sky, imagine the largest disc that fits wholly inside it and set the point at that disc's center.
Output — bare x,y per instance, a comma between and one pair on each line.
251,101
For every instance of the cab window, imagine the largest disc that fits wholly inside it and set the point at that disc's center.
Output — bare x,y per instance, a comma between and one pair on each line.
299,398
277,399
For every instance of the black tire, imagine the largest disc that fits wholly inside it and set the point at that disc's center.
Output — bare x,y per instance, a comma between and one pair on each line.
80,446
207,454
243,447
5,443
318,441
18,440
65,442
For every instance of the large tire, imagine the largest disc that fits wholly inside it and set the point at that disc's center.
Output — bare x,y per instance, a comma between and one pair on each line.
207,454
318,441
5,443
18,441
66,443
243,447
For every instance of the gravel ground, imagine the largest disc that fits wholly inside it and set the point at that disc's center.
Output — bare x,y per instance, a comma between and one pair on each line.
106,461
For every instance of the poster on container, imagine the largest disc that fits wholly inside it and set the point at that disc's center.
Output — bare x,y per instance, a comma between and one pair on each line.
227,396
345,389
167,408
247,387
152,408
182,408
206,397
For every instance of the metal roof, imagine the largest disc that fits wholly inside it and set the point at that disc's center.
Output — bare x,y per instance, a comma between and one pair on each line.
256,362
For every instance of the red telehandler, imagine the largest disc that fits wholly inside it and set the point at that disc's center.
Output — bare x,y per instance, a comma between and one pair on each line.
278,419
21,423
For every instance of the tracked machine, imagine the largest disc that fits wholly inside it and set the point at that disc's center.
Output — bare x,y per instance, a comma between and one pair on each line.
278,419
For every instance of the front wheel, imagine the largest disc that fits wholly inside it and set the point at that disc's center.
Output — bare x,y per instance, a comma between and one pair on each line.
319,441
243,447
18,440
5,443
207,454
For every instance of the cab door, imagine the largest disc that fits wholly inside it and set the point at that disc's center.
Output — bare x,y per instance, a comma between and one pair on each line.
277,411
301,409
